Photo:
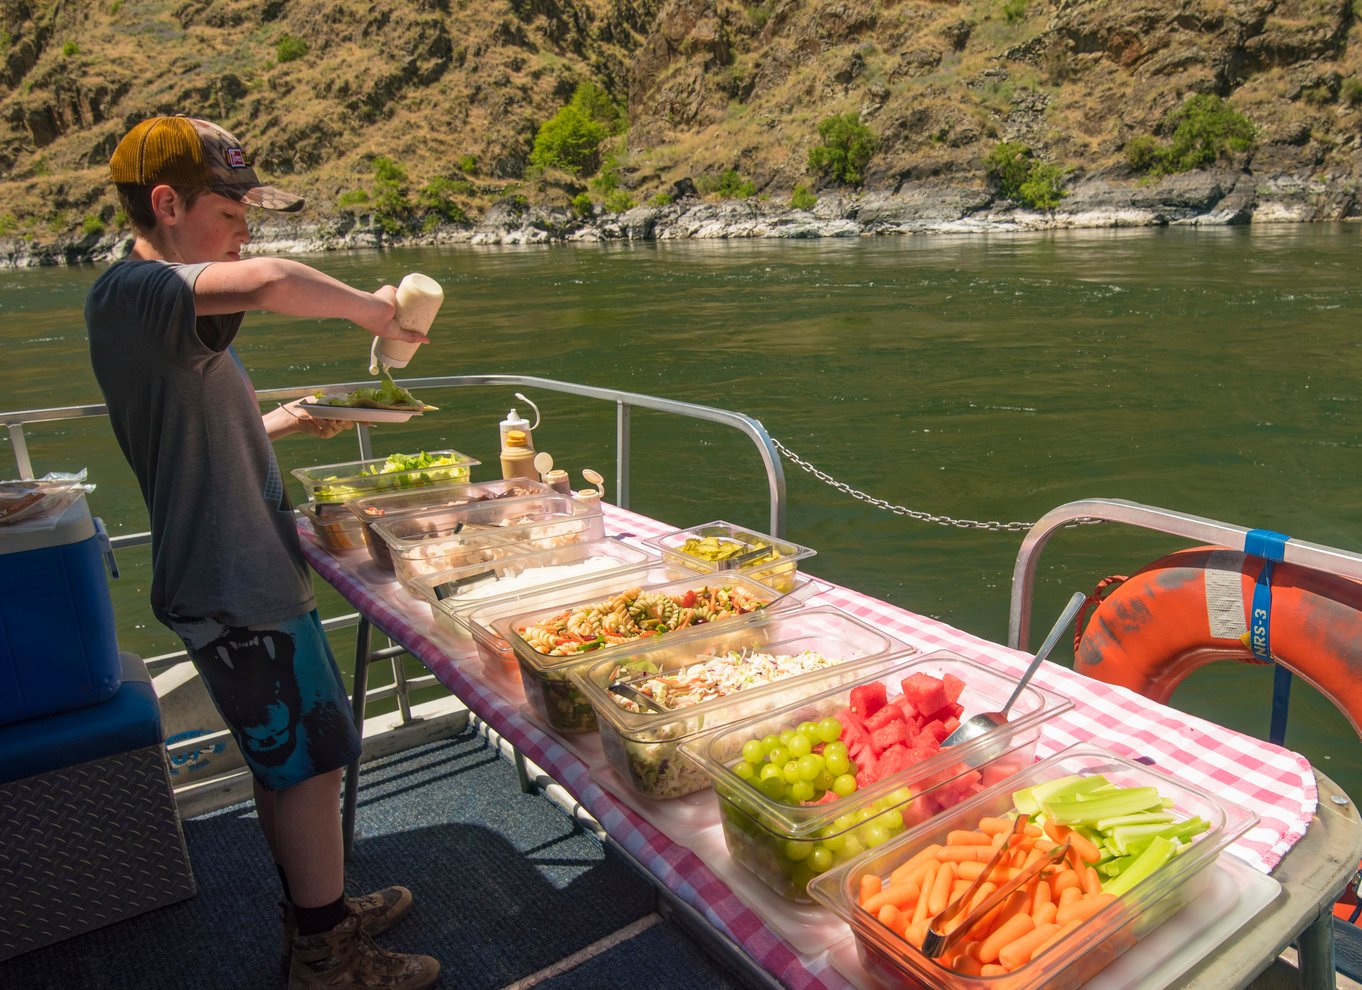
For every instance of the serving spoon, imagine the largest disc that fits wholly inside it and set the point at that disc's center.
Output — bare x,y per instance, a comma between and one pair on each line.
976,725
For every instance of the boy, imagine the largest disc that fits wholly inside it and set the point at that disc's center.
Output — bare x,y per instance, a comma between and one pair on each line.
229,576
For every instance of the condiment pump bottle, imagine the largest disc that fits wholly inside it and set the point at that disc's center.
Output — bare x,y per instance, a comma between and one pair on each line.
517,459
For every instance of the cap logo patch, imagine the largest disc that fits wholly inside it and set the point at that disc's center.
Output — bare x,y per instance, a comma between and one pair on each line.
236,158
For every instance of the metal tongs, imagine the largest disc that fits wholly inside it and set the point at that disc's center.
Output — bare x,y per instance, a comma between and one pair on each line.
734,562
626,690
937,943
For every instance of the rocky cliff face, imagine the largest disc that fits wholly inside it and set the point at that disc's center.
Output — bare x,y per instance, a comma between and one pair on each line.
455,90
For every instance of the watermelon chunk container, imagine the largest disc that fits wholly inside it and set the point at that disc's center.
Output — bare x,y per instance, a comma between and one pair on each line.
1072,961
643,747
787,844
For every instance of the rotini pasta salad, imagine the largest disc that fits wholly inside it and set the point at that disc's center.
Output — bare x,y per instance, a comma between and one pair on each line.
632,614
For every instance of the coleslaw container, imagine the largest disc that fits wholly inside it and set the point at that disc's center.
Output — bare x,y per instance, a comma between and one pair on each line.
454,592
1081,954
713,547
643,746
382,506
442,539
787,844
548,687
351,479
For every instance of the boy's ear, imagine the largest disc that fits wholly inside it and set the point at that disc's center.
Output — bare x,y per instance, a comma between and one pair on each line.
166,204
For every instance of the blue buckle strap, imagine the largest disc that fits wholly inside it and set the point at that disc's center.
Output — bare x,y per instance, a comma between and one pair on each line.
1271,547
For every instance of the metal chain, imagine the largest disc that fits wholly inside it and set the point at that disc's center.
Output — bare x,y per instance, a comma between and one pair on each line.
900,510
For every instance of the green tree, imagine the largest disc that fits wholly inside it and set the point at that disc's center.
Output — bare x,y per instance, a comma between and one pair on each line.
802,198
1205,129
733,186
845,149
289,48
571,139
1024,178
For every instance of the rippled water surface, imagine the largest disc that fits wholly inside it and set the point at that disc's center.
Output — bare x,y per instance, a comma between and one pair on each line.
981,377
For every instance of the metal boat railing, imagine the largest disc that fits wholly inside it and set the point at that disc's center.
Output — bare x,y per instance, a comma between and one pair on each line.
401,688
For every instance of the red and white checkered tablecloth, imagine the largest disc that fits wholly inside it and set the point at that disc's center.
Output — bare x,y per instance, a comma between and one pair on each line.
1274,782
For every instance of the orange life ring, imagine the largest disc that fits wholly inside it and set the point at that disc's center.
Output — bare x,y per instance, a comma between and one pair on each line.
1191,608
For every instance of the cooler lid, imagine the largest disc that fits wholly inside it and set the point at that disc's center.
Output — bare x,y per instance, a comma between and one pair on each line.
72,525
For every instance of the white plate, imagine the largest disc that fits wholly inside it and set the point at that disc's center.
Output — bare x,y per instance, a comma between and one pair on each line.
361,414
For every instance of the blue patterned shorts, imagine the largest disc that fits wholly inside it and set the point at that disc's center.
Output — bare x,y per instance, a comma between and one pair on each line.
278,690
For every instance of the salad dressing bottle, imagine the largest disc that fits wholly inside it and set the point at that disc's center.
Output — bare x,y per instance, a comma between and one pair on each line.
517,457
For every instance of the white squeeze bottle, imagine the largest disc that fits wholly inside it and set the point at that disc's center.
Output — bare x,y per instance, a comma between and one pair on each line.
514,421
418,300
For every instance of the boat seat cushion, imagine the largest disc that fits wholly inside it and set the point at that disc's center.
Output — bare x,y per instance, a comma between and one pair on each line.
129,720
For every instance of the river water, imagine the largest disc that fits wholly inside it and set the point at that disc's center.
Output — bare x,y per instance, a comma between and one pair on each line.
979,377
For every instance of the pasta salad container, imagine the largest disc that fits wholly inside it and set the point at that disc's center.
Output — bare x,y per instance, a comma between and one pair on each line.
717,546
481,619
452,593
650,699
442,539
381,506
1070,959
550,643
882,730
351,479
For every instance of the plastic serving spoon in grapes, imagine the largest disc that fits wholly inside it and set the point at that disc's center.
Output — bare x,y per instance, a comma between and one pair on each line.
976,725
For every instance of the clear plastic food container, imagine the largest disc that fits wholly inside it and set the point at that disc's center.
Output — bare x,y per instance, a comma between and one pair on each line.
453,592
383,506
719,545
335,527
1080,955
351,479
548,654
706,682
787,843
442,539
498,659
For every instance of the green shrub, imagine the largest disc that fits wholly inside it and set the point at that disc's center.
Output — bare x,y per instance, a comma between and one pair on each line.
1145,154
289,48
802,198
845,148
1350,92
732,185
1014,10
436,201
1204,129
70,48
582,207
571,139
355,197
1024,178
91,226
661,199
1317,95
618,201
9,223
468,165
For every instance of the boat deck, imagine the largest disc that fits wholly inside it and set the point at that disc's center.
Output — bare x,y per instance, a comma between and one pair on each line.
510,893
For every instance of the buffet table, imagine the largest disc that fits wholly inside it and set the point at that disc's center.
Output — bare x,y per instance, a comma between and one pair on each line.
1279,885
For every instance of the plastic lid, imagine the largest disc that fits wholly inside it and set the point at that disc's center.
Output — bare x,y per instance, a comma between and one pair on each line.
516,438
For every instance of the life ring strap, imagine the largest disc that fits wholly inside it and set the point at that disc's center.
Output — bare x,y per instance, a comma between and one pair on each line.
1271,547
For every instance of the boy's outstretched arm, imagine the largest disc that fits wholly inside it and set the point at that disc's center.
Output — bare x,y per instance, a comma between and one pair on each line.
281,285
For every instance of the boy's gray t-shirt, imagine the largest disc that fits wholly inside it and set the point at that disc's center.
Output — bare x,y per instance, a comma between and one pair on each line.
224,542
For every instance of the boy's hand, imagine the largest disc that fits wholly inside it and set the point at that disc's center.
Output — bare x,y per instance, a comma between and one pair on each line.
386,325
294,417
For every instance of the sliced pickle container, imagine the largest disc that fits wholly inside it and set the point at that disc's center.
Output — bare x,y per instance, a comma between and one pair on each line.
441,539
459,589
1077,957
335,527
480,619
735,671
717,546
384,506
351,479
788,843
544,673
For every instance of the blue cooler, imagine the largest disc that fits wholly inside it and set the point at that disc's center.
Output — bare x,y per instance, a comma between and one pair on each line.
58,649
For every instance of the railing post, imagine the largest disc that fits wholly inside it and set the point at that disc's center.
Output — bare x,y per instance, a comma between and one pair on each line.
623,413
20,447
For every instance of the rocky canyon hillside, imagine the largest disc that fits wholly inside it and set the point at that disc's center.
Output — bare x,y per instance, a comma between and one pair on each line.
418,118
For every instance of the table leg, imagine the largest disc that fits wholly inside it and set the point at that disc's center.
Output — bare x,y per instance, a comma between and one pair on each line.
362,637
527,786
1315,953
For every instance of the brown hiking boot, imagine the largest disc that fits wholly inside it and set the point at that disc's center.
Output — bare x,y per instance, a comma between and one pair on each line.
346,958
377,913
